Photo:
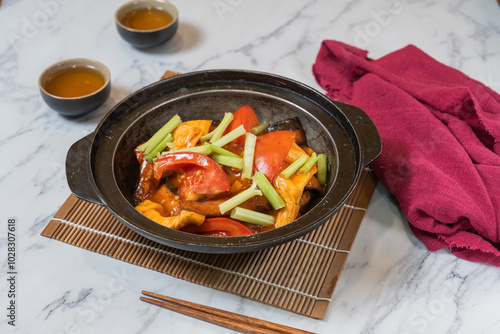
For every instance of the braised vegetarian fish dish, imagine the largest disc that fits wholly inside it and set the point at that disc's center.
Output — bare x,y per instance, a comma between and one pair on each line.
232,177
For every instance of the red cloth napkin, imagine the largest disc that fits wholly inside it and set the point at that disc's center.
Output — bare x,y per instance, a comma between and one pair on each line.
440,133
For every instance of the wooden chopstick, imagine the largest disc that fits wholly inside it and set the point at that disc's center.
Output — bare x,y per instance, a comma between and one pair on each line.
219,317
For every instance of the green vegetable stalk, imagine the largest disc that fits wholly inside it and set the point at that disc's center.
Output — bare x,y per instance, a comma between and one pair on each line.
268,190
252,217
240,198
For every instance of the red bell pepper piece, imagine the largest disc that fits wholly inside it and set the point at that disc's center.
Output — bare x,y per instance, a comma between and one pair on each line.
246,116
271,150
219,226
200,174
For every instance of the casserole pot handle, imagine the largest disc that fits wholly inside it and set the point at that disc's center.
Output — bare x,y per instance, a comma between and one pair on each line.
79,173
369,138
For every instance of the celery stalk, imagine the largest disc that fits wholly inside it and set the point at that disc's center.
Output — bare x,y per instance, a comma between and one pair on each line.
259,128
219,130
148,146
268,190
235,162
239,131
294,166
309,163
205,150
248,155
160,147
240,198
322,169
143,146
220,150
252,217
208,136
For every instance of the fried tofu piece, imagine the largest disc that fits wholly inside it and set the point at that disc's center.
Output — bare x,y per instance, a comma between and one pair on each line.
292,189
158,214
167,199
187,134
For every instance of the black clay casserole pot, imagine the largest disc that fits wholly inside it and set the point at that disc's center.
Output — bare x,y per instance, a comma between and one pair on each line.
102,168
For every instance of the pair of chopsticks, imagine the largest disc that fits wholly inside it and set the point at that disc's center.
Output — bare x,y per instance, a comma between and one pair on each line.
219,317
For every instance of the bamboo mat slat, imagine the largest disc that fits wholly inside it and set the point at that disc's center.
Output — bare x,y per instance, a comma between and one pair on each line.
298,276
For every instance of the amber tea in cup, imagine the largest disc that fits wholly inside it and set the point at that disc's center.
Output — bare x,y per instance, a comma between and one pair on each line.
73,87
149,18
74,82
147,23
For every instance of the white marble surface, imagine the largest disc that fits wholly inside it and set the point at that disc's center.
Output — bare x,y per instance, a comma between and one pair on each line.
390,284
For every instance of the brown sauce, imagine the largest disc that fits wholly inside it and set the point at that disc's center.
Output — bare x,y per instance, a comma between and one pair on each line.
74,82
146,19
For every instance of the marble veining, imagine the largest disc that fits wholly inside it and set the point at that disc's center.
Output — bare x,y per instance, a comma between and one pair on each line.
390,283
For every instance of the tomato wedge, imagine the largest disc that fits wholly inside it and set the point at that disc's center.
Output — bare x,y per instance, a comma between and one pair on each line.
200,174
212,226
271,150
246,116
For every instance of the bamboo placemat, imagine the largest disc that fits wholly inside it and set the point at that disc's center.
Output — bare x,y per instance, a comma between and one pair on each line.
298,276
